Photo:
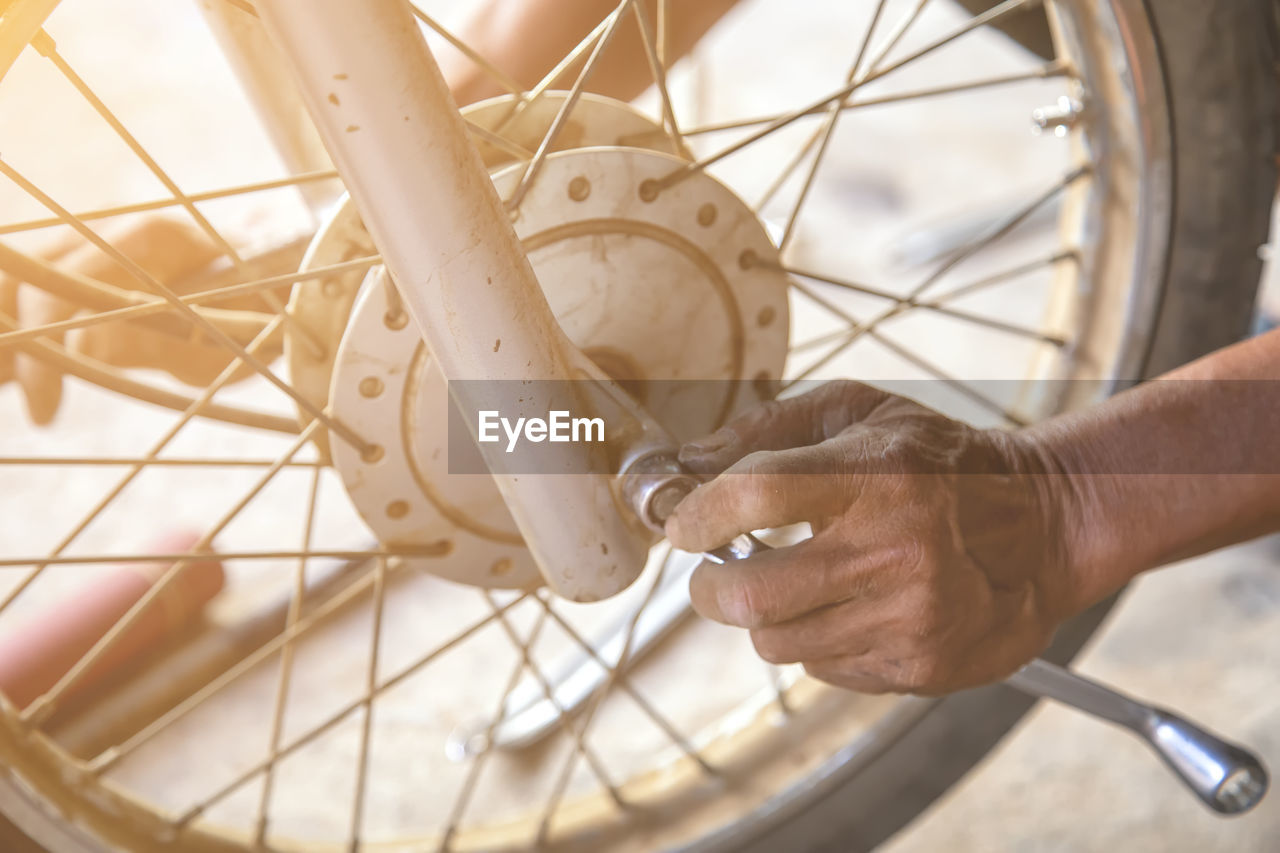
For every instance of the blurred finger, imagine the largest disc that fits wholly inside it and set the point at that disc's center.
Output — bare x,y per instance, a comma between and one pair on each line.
41,382
42,403
844,628
9,311
167,249
799,421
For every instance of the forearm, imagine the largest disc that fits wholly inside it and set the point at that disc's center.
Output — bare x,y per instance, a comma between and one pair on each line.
527,38
1173,468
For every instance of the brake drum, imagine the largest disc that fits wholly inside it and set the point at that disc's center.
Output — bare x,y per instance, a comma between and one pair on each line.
675,295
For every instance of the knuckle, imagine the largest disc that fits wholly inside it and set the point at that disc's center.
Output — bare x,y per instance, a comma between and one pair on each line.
758,464
740,602
825,672
931,614
913,553
761,491
925,674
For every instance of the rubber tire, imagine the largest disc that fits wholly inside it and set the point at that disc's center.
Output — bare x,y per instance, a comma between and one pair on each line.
1220,64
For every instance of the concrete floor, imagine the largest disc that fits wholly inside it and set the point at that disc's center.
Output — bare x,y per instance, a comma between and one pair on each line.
1198,637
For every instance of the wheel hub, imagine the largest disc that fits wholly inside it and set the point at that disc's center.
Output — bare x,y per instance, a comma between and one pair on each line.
658,291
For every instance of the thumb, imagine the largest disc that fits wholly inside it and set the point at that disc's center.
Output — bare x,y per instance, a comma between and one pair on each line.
799,421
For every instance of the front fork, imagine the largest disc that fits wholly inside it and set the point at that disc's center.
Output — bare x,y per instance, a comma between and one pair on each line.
388,120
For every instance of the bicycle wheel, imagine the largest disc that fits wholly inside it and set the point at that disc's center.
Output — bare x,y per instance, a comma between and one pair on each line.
1119,241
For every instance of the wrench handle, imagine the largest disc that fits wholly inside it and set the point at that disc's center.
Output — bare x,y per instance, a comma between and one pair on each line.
1226,777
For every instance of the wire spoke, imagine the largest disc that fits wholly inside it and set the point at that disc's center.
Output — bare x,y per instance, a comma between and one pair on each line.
463,798
371,684
960,385
160,306
499,141
658,69
341,714
434,549
531,171
286,660
562,67
46,47
786,119
578,733
985,282
825,134
41,708
121,461
163,442
663,25
1056,68
102,375
857,328
613,676
162,204
306,623
967,251
499,76
933,306
156,286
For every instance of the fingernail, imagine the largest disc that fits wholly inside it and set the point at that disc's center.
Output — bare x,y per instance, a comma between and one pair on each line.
718,440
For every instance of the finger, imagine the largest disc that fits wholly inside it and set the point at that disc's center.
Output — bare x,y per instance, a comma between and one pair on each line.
849,627
778,586
805,419
41,386
41,382
765,489
855,672
9,312
166,248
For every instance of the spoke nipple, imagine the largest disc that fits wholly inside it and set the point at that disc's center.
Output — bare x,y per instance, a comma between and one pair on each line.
395,320
372,453
748,259
371,386
649,190
707,215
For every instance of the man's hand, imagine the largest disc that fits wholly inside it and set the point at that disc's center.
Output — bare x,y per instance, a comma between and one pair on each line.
939,561
171,251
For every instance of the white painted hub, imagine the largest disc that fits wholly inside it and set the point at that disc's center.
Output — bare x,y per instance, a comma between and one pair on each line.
651,290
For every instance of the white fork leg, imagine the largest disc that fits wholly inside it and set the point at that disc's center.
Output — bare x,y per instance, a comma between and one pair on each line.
391,127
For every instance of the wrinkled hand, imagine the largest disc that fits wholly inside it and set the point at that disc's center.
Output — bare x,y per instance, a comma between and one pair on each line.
939,559
169,250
